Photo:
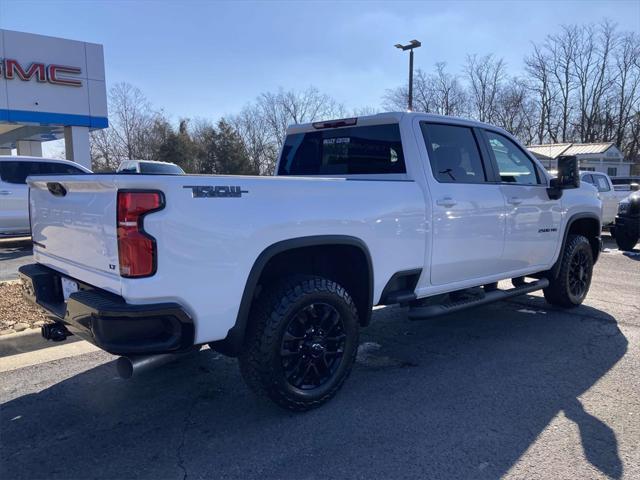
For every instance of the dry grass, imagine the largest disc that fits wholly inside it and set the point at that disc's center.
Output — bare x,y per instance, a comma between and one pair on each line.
16,313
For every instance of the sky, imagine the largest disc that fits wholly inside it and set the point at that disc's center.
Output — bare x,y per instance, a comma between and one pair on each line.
206,59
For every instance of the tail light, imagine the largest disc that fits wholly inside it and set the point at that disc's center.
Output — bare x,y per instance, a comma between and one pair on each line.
136,248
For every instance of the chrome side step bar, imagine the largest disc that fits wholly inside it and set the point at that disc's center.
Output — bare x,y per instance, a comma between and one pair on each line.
429,311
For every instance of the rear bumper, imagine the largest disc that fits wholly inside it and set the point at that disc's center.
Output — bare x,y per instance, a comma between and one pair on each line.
106,320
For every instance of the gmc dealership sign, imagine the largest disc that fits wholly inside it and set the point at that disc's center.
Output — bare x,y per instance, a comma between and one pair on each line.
40,72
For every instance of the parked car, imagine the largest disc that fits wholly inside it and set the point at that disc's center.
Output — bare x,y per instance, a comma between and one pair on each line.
627,230
14,193
400,208
606,193
626,184
150,167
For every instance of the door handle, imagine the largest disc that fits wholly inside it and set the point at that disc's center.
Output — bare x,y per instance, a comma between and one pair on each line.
514,200
5,192
446,202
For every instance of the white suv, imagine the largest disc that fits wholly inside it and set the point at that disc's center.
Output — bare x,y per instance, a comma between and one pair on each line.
14,192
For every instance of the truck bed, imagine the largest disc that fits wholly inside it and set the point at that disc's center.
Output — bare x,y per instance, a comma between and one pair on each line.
213,228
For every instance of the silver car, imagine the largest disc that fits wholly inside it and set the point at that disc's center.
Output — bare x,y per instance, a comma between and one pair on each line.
14,192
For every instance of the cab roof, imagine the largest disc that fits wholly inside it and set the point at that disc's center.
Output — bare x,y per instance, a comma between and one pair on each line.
25,158
384,118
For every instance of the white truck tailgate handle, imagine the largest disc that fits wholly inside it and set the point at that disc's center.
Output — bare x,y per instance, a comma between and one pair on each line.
514,200
5,192
446,202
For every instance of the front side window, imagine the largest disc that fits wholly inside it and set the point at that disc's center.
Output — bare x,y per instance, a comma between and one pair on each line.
375,149
453,153
514,165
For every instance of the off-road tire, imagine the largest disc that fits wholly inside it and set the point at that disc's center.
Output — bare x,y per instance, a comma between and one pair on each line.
261,363
561,290
625,240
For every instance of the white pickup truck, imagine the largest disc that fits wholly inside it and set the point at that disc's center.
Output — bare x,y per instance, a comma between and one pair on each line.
609,197
416,209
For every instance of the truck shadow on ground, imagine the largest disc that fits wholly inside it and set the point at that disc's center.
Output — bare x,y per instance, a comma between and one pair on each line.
10,250
461,396
609,243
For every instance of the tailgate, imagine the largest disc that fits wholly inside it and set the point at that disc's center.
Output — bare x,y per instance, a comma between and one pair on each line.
73,226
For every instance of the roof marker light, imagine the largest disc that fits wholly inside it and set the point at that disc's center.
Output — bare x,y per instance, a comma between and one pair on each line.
343,122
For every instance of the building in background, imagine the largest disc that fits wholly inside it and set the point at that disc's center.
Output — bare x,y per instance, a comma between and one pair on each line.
50,88
594,157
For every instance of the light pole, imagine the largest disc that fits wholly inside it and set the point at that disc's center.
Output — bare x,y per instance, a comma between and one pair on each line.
410,46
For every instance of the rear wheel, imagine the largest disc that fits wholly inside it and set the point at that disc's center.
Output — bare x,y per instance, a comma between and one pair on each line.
625,240
570,287
301,343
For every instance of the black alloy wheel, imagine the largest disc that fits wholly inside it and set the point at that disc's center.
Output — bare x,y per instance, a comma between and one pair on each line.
579,274
301,341
312,346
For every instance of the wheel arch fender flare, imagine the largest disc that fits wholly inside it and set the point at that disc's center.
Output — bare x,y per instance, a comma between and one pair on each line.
232,344
572,219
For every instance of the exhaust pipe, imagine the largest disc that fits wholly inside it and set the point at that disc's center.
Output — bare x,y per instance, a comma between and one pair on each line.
136,364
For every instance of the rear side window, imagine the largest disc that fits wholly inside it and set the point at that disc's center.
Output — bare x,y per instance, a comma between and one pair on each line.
127,167
357,150
167,168
17,172
588,178
453,153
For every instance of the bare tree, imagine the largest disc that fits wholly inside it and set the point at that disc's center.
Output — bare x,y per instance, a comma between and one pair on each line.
515,110
255,133
627,91
263,124
449,97
485,76
562,51
131,122
537,66
591,69
439,92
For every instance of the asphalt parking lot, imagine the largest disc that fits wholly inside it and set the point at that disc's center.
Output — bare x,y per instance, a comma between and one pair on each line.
516,389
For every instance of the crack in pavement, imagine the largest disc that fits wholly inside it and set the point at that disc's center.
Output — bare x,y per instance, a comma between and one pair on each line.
185,426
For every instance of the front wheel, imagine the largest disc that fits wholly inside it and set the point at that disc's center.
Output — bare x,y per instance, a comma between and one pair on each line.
625,239
570,287
301,342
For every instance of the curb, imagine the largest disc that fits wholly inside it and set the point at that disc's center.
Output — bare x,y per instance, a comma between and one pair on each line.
26,341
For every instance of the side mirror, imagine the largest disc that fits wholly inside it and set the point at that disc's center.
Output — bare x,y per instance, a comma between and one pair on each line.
568,176
568,173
